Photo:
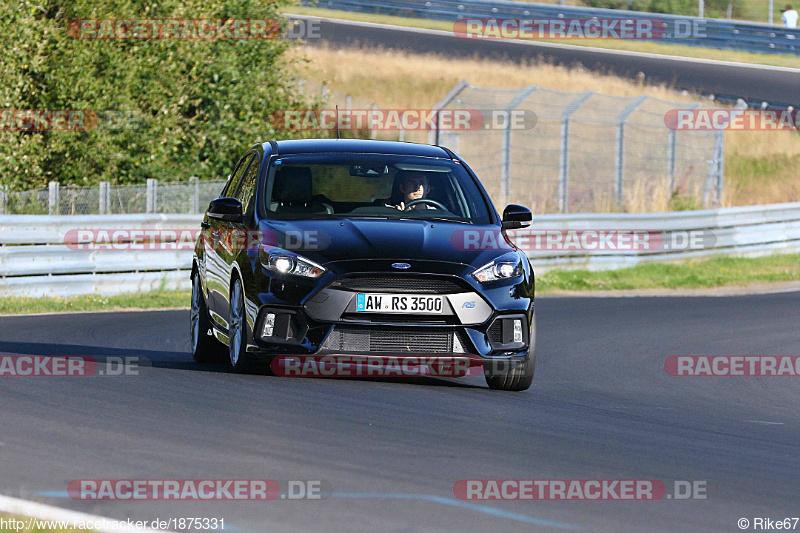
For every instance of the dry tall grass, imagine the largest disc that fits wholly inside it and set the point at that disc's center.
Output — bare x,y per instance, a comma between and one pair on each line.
761,166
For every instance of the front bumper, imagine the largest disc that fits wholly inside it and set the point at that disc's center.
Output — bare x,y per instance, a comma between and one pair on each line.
328,324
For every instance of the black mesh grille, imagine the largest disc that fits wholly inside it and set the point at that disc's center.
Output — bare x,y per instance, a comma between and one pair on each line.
496,332
400,319
394,341
404,283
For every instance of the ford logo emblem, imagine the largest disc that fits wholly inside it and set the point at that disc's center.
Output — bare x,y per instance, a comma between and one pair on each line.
402,266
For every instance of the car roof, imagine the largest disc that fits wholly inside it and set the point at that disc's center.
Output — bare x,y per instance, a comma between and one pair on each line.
365,146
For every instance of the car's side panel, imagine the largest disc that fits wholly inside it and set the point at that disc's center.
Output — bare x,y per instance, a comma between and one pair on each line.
218,252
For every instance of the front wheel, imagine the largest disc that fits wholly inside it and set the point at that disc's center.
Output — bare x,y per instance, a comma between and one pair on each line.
241,361
205,348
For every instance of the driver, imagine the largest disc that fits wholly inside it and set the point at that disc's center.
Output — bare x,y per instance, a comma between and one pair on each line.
411,185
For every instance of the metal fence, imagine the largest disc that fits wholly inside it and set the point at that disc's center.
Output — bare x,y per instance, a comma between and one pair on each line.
587,152
190,196
37,258
714,33
582,152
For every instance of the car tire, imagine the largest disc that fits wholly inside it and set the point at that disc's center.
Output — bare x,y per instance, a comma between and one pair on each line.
240,360
512,375
205,348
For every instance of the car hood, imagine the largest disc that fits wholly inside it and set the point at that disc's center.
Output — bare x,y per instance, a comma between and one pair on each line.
333,241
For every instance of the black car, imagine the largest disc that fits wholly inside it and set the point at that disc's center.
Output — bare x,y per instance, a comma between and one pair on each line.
375,248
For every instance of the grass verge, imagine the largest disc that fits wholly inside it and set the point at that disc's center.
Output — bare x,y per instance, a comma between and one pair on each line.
695,274
779,60
145,300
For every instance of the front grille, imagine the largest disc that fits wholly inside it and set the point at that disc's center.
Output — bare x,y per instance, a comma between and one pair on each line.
401,283
394,341
400,319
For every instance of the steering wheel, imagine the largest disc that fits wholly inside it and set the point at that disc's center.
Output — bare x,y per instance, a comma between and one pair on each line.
434,203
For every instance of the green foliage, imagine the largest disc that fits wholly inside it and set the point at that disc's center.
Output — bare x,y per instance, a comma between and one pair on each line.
683,202
712,8
700,273
167,109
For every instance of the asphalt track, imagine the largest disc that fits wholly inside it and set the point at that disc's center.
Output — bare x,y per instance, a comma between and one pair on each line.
754,83
601,407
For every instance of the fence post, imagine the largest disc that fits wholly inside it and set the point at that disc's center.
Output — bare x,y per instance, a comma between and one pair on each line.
324,94
716,170
401,135
373,134
300,86
720,141
505,151
195,194
52,198
619,160
152,195
712,177
104,194
672,153
433,134
563,154
3,199
348,102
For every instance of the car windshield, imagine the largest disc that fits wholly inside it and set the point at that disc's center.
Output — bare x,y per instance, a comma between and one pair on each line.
372,186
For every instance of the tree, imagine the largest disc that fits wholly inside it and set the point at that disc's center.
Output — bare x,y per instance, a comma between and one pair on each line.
154,108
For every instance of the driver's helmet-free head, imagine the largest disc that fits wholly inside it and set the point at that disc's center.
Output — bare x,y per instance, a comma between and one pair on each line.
410,185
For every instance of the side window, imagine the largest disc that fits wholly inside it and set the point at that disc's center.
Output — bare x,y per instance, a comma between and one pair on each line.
236,177
248,187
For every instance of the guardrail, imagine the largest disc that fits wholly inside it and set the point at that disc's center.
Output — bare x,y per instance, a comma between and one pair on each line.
693,31
37,259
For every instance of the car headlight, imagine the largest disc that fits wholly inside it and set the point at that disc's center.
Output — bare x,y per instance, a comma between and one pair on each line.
504,267
294,265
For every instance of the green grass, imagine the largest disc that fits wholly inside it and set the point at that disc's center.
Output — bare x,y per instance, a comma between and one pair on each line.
779,60
717,272
145,300
6,516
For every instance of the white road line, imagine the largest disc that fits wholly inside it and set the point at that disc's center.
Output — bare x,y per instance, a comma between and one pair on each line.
41,511
559,46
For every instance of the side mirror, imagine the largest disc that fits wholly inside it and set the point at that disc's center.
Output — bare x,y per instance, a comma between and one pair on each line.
516,216
227,209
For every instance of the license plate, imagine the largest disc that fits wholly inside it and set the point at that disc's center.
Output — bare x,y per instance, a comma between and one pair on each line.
399,303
